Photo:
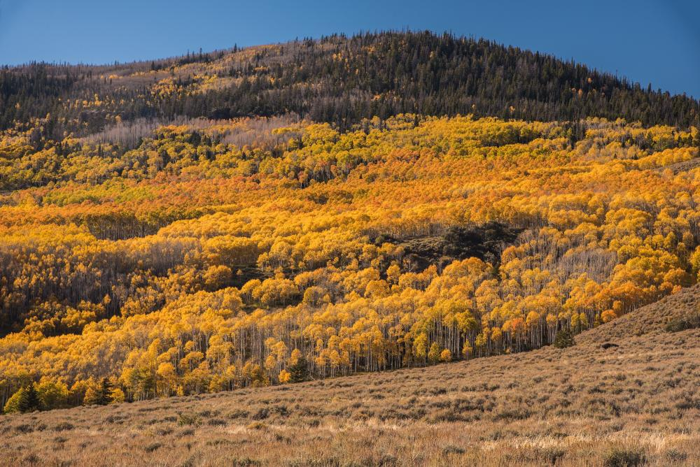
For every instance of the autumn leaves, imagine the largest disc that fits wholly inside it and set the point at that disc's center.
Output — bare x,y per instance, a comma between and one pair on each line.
191,265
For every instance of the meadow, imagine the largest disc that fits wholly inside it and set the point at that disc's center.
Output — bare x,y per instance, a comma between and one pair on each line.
632,404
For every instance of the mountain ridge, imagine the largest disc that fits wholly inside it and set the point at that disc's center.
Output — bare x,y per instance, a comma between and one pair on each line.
335,79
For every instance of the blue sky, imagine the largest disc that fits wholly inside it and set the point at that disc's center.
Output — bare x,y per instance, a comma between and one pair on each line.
649,41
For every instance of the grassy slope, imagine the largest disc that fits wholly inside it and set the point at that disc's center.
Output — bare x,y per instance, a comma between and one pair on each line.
578,406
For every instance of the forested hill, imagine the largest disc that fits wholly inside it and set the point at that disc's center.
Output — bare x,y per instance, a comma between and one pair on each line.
335,79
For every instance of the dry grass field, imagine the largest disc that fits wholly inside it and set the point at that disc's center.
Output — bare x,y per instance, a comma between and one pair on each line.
636,403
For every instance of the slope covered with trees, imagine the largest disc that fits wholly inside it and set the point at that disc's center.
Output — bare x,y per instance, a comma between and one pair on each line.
223,254
338,80
305,210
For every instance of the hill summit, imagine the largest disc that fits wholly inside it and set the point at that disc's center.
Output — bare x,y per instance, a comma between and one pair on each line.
336,79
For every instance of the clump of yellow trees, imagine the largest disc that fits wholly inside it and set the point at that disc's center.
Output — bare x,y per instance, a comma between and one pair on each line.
217,255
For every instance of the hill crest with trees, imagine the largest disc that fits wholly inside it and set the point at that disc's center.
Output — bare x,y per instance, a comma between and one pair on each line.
336,79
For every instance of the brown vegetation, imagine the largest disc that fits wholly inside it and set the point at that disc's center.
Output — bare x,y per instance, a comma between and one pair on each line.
633,403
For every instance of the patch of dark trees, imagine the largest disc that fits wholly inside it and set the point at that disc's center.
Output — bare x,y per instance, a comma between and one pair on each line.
485,242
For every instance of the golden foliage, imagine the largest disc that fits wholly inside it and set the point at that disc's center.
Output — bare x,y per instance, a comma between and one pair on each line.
196,263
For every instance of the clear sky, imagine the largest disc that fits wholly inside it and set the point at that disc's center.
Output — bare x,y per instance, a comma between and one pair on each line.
649,41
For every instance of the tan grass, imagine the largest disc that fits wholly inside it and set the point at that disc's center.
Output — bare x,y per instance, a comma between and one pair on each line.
578,406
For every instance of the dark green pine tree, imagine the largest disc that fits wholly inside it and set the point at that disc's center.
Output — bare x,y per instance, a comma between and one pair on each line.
29,400
299,371
104,395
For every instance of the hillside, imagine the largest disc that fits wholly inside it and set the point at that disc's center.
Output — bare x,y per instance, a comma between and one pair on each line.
337,79
634,404
194,251
156,259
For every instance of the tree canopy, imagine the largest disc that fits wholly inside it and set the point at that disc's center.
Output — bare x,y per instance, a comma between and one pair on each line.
217,254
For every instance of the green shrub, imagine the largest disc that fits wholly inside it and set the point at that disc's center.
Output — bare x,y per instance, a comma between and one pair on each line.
681,324
185,419
153,447
625,458
564,339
